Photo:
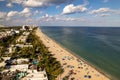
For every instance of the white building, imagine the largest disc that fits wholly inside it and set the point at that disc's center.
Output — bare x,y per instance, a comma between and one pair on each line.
12,32
11,48
19,61
3,34
35,75
30,28
32,74
16,31
22,45
23,37
22,67
23,27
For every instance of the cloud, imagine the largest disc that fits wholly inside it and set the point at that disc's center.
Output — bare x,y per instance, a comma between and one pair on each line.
58,18
69,9
100,10
39,3
104,15
26,12
18,17
105,1
9,5
12,13
105,12
17,1
61,20
33,3
36,12
1,0
47,17
57,7
2,15
115,11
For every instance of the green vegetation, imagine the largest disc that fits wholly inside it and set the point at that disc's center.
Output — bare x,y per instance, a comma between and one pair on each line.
40,52
12,27
46,60
6,41
1,59
2,68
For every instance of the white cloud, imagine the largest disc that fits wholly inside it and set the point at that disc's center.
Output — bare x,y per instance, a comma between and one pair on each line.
58,18
2,15
9,5
33,3
100,10
116,11
12,13
39,3
57,7
105,12
69,9
105,1
25,10
47,17
17,1
36,12
104,15
61,20
2,0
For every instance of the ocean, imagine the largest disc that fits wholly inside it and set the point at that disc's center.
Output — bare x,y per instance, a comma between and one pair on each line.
100,46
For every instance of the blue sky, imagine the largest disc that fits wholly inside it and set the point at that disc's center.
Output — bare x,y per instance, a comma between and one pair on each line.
60,12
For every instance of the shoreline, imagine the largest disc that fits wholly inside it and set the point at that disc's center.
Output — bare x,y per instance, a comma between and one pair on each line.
104,75
77,56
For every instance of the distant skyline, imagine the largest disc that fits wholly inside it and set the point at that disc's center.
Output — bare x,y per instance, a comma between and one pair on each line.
60,12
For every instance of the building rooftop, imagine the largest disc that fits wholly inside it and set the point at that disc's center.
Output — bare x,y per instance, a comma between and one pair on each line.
35,75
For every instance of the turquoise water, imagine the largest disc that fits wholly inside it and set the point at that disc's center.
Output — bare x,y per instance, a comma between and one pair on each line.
99,46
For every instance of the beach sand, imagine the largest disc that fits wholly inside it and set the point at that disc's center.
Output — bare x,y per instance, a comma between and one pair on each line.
74,67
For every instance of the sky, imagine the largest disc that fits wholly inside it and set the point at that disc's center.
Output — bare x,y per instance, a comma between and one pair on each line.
60,12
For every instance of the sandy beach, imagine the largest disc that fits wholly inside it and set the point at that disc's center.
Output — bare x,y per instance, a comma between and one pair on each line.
71,64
